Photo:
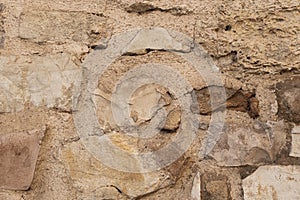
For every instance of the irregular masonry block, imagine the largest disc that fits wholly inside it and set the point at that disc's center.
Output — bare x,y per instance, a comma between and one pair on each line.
156,38
58,26
295,150
242,144
41,80
51,80
18,156
11,89
273,182
288,97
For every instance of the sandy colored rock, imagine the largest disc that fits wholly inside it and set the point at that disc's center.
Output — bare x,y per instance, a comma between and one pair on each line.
295,148
154,39
59,26
253,45
12,94
51,80
196,188
273,182
18,156
249,144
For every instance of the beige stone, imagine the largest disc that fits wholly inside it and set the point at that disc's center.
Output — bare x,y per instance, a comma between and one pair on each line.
273,182
196,188
11,85
154,39
58,26
51,80
295,148
249,144
18,156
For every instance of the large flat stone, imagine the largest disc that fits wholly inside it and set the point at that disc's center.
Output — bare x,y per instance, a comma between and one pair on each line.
273,182
59,26
51,80
251,144
41,80
18,156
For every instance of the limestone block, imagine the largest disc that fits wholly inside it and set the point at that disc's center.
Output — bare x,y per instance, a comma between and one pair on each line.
273,182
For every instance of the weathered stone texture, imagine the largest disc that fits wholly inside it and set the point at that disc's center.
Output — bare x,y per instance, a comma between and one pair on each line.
18,156
295,148
251,144
273,182
288,95
41,80
59,27
45,50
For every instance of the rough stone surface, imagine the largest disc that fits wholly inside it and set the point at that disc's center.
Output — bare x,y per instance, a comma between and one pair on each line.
45,48
51,81
295,149
251,144
18,156
273,182
41,80
288,94
59,27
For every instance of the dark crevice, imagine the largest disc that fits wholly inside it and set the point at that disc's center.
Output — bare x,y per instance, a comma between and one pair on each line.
144,8
146,51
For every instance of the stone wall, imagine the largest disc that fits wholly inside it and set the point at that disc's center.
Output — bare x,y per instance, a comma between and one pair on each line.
67,66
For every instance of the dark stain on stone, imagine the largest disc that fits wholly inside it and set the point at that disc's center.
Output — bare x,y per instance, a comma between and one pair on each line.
288,98
215,186
247,170
236,100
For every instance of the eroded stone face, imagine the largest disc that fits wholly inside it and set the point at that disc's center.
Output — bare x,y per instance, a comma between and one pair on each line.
12,97
41,80
59,26
273,182
18,156
288,97
249,144
51,80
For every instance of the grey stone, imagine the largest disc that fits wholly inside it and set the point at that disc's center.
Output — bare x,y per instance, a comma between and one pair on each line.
18,156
